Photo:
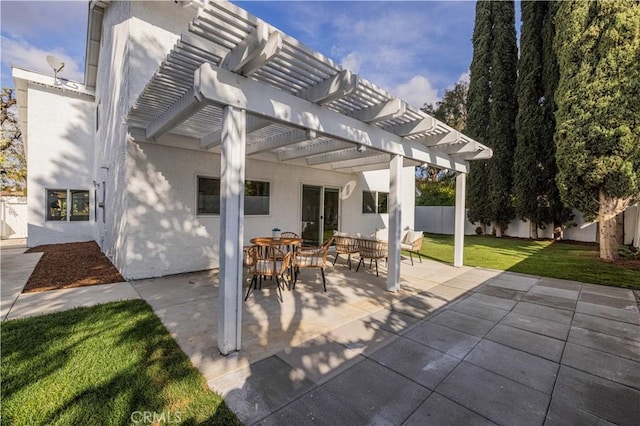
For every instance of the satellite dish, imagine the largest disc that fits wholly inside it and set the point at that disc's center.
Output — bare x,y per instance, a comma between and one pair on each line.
56,64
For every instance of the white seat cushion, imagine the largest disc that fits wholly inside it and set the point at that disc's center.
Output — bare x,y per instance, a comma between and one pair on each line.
411,237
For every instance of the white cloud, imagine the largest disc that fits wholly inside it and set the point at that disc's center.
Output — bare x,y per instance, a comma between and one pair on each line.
416,91
351,62
20,53
464,77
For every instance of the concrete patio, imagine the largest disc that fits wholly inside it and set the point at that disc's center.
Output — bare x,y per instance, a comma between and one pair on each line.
455,346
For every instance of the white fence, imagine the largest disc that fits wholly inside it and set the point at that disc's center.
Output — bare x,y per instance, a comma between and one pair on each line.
13,217
440,220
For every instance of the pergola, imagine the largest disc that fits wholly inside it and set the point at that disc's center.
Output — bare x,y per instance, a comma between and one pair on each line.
242,88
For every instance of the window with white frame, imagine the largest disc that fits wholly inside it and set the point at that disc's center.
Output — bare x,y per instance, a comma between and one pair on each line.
68,205
256,197
208,195
375,202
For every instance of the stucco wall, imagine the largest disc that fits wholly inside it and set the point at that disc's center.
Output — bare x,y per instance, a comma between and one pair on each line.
164,234
136,38
60,156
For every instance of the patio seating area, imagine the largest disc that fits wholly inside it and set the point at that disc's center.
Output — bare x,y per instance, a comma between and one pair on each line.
454,346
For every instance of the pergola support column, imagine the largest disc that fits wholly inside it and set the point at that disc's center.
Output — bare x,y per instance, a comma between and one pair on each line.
395,222
460,220
232,165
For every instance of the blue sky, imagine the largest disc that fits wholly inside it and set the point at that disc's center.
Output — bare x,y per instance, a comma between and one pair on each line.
413,49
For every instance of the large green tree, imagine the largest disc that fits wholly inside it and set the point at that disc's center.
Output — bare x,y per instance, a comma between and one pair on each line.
503,111
598,117
536,196
13,159
492,110
452,108
478,102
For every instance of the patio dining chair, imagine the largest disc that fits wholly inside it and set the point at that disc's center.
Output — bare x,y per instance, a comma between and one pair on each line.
372,250
289,234
271,262
344,244
289,248
412,242
310,257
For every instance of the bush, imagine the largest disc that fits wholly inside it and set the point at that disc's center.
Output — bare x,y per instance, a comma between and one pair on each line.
434,193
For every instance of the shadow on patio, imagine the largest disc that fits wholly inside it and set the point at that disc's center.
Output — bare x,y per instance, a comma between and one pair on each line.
319,334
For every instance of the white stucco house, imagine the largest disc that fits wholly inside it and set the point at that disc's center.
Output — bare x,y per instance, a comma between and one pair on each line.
199,126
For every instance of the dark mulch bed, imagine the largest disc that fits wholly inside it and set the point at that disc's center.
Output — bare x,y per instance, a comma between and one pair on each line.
71,265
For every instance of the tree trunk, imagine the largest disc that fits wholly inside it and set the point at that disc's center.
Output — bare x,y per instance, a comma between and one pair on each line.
498,229
607,217
533,230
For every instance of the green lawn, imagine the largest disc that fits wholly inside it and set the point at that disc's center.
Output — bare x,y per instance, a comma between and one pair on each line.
559,259
111,364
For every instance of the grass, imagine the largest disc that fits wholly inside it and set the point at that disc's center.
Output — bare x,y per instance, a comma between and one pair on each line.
110,364
555,259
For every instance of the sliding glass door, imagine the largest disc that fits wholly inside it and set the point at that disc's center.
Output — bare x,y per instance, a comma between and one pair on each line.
320,213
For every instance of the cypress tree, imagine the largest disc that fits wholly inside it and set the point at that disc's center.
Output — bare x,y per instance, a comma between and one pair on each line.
598,117
536,196
528,179
478,105
503,111
560,214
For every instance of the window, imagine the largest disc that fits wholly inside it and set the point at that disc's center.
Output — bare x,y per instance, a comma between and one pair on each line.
256,197
79,205
383,202
375,202
57,204
368,202
208,195
59,207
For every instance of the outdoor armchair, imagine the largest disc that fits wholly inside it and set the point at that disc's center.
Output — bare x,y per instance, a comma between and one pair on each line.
344,244
412,242
268,262
309,257
372,250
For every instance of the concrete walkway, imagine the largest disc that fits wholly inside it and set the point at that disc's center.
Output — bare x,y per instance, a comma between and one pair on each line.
16,267
455,346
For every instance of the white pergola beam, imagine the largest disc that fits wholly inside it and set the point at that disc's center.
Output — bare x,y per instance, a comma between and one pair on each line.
483,154
202,44
380,112
426,124
222,87
254,51
211,140
280,140
335,87
440,139
266,54
341,155
395,222
232,171
363,161
460,148
181,110
460,214
319,147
